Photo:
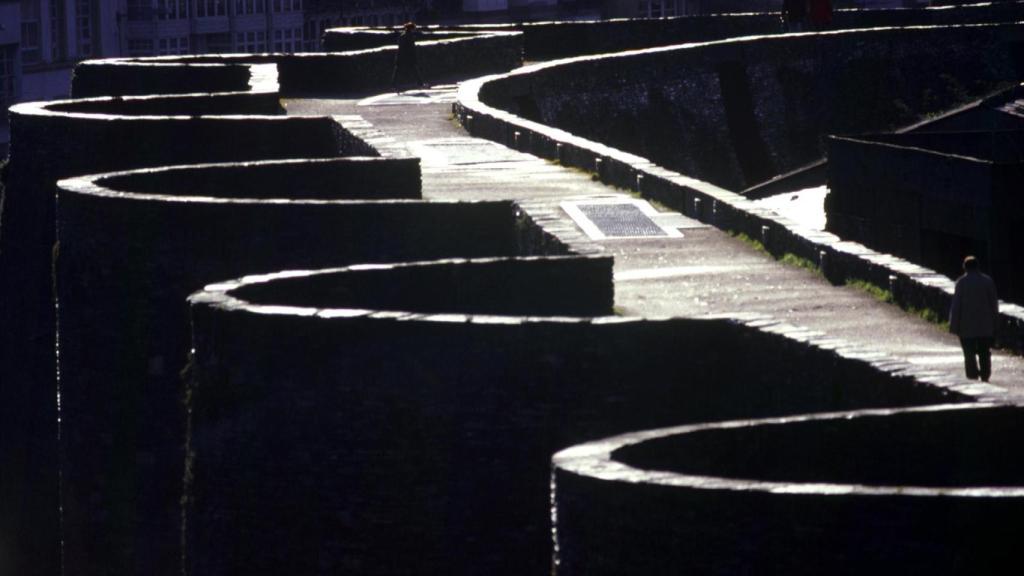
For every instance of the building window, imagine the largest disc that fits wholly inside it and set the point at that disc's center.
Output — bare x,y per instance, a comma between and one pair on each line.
249,6
140,47
218,43
140,10
83,27
30,43
211,8
58,46
170,46
251,42
172,9
289,40
6,77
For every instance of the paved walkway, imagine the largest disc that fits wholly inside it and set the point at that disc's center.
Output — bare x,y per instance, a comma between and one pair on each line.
702,273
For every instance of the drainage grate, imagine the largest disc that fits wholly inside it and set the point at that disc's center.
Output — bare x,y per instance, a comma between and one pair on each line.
617,219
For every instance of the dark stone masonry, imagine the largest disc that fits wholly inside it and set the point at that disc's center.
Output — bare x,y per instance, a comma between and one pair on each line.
744,496
273,356
430,397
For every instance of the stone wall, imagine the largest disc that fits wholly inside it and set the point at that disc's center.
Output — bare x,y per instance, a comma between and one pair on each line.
932,198
363,38
372,69
737,113
415,434
117,77
927,491
457,55
913,286
549,40
55,140
352,177
123,330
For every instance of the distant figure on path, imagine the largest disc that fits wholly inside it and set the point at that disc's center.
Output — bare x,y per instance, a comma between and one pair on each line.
794,13
405,60
820,14
973,316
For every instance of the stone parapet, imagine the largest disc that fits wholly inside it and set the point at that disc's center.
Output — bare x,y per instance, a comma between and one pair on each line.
479,110
61,139
133,245
550,40
925,490
400,418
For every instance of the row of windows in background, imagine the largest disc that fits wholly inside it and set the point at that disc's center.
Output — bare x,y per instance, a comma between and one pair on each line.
143,10
31,29
287,40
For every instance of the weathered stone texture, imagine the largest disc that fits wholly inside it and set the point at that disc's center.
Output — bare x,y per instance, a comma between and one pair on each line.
431,435
926,491
778,96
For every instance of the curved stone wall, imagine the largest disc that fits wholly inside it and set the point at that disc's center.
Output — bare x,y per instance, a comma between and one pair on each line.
461,55
912,285
739,112
55,140
549,40
415,433
127,259
925,491
122,77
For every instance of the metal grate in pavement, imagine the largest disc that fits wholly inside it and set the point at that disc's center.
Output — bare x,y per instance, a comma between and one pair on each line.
617,218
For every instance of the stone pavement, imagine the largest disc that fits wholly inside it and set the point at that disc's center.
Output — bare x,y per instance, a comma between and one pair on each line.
704,272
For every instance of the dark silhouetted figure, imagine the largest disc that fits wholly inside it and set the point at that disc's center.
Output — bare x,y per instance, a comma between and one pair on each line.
794,13
405,60
820,14
973,317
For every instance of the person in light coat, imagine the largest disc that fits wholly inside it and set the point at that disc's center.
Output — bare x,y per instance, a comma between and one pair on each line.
973,317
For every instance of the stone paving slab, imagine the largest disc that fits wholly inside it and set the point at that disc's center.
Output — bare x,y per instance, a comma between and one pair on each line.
705,273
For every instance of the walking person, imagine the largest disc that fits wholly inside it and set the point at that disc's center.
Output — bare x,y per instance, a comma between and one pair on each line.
973,317
405,60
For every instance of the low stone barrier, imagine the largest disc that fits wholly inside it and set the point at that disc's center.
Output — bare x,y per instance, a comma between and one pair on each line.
913,286
363,37
446,56
550,40
132,246
122,77
739,112
924,491
56,140
401,419
372,69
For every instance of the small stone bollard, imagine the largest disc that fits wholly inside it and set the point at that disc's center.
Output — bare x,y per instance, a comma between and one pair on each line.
894,289
560,153
697,213
599,168
828,268
766,236
640,183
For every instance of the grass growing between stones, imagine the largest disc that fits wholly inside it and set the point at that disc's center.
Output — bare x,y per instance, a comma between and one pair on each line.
875,291
883,295
752,242
800,262
788,258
